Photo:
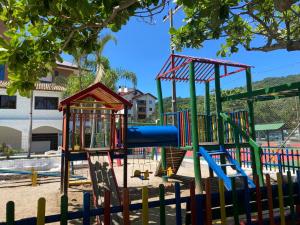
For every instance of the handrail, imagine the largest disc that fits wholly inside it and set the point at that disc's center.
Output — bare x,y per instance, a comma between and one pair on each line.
251,142
256,147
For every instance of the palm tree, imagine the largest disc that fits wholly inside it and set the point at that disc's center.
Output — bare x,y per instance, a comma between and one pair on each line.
106,75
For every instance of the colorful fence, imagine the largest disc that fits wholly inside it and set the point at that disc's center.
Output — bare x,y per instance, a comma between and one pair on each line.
207,126
272,158
239,206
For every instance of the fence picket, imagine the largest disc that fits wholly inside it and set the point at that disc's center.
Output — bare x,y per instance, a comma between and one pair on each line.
64,210
280,198
222,202
178,204
10,213
126,203
298,192
162,209
86,208
41,210
258,201
107,207
291,198
235,202
247,201
145,210
270,199
208,213
193,203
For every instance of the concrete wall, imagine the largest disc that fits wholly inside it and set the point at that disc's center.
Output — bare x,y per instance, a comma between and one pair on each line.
43,121
11,137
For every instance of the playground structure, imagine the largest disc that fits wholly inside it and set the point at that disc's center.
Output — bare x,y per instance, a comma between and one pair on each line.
95,131
211,136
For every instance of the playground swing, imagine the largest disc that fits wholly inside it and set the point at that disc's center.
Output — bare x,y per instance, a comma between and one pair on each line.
142,174
170,171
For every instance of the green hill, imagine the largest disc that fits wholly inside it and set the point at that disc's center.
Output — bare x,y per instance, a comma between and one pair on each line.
281,110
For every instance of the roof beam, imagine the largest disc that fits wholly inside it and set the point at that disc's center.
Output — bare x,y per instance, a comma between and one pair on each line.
267,91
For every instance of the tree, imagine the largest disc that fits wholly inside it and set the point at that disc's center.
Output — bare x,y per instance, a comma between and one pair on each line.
39,31
255,25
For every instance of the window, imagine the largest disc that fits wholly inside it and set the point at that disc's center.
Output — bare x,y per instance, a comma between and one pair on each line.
56,73
150,109
46,103
141,102
141,117
8,102
2,72
141,109
150,102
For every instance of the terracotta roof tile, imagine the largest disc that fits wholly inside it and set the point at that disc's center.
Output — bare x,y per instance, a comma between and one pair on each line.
39,86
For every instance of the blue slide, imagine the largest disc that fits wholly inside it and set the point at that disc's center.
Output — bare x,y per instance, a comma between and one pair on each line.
152,136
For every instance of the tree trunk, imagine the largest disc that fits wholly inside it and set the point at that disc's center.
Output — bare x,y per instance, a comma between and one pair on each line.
30,126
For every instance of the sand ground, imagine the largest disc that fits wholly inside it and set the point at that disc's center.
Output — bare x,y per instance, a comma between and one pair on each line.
26,196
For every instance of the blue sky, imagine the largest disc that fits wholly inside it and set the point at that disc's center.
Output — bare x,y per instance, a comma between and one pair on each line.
143,49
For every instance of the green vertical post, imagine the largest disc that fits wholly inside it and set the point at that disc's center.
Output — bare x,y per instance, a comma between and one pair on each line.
207,120
255,155
194,123
207,111
220,127
161,117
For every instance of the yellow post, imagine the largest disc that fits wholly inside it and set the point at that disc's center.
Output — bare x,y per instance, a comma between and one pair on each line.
145,211
280,199
33,177
41,210
222,202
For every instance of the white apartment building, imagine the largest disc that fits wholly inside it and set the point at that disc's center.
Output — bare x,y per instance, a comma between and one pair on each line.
143,104
46,119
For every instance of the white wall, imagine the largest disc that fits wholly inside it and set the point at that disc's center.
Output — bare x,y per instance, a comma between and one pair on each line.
23,107
43,121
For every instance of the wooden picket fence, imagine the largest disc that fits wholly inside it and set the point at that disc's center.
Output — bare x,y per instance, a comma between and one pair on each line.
270,204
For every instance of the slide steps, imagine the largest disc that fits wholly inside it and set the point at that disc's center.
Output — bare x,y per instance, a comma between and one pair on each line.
174,158
217,167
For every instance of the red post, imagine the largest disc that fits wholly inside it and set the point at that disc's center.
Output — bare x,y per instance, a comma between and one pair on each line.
208,212
126,203
107,207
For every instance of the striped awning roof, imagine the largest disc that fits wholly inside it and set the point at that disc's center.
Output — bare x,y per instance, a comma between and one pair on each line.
99,93
177,68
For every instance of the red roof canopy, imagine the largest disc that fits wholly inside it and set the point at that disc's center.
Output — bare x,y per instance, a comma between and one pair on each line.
177,68
100,93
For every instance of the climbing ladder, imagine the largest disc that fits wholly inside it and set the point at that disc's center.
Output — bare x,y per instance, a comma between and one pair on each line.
211,155
103,178
174,157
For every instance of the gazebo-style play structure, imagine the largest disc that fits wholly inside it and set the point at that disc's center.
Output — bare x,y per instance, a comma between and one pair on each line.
93,109
95,129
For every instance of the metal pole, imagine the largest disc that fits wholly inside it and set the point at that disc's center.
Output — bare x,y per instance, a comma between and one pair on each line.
220,127
174,106
207,112
207,120
66,151
125,147
255,155
195,144
161,121
30,126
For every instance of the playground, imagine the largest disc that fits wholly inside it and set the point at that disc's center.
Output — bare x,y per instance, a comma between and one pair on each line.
200,163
